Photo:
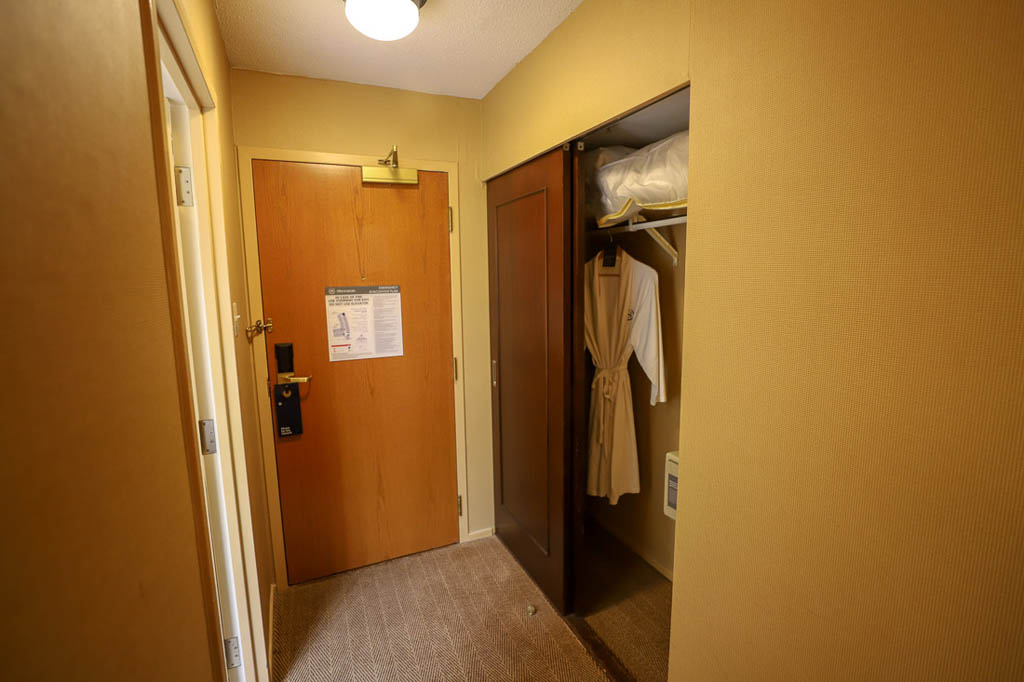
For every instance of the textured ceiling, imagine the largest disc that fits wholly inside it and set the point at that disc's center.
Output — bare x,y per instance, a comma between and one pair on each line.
461,47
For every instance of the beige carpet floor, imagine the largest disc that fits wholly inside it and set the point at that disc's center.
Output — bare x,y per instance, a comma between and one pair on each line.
455,613
628,604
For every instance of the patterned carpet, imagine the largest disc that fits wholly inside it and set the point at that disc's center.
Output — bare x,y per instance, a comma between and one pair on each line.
627,604
455,613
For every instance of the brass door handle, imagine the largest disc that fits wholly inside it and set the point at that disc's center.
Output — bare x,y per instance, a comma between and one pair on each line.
289,378
258,327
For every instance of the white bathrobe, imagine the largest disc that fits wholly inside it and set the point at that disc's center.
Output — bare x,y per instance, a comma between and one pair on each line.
620,315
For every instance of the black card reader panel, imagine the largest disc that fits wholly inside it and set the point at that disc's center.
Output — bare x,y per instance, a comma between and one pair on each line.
285,357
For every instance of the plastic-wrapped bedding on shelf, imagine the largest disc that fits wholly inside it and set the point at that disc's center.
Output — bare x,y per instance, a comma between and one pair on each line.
653,180
593,161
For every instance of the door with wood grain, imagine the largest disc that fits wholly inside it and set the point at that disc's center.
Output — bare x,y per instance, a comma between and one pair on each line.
372,476
529,236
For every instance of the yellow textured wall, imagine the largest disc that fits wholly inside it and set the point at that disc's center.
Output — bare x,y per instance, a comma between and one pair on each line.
204,32
607,57
100,578
852,415
344,118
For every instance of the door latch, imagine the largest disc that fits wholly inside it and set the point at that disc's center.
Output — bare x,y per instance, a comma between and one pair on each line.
258,328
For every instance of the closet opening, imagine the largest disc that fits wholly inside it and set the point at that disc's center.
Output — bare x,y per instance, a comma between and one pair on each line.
586,248
629,234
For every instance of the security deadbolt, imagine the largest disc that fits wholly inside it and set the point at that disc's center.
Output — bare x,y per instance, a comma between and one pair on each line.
258,327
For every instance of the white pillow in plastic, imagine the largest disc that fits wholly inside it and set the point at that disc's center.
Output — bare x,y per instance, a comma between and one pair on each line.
655,177
594,160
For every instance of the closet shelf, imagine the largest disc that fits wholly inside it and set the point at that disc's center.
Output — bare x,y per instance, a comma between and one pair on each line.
643,225
650,228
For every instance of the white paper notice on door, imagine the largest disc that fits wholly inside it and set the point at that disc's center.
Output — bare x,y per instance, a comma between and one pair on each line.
364,322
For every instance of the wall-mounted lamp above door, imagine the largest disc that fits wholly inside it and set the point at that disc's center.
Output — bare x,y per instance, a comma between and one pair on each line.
384,19
387,171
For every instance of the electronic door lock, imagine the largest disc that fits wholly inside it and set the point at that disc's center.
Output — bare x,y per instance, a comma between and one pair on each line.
287,404
285,357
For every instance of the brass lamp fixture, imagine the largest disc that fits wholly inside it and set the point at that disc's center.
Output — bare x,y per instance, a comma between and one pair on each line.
387,171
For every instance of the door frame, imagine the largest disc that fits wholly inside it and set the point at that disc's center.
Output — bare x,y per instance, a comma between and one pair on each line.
258,351
236,598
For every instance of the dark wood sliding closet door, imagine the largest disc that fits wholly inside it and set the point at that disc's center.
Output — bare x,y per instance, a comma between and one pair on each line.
528,217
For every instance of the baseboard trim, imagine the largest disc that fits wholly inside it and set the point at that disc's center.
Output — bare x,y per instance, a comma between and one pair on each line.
641,552
270,632
664,570
479,534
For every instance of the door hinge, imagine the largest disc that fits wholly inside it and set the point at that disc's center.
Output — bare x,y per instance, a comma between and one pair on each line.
183,185
232,653
460,505
455,368
451,222
208,436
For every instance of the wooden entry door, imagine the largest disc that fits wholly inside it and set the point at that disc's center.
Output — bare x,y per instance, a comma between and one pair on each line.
529,237
373,474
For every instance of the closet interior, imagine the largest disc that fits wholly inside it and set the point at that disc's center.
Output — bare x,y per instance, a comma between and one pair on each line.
586,247
631,190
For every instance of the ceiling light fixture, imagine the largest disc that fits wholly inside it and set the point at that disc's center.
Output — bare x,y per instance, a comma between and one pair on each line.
384,19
